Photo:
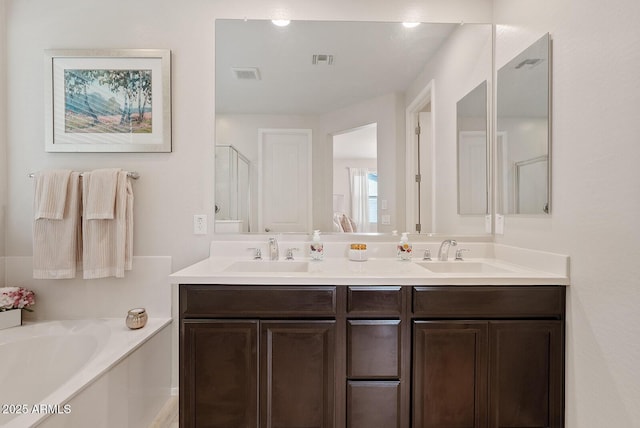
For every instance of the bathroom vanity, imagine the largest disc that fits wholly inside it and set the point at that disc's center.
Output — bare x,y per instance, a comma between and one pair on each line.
337,345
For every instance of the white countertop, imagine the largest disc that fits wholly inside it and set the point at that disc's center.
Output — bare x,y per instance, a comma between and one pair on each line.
508,268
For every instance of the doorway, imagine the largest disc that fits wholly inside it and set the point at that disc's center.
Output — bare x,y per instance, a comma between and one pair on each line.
355,179
420,164
284,180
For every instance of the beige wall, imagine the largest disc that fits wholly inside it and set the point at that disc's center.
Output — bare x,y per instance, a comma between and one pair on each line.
595,193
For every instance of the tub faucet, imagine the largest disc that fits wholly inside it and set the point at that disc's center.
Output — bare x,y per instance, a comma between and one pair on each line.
274,253
443,252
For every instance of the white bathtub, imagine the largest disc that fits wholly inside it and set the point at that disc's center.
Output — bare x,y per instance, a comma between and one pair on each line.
84,373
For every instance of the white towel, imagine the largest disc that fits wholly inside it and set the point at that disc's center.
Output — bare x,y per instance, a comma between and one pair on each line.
56,242
107,244
50,194
101,194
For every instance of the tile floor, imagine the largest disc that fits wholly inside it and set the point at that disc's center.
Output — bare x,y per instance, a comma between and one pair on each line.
174,422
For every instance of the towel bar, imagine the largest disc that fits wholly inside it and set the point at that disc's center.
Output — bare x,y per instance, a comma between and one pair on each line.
131,174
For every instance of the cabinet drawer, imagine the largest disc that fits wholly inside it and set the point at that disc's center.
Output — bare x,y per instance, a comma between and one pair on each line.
373,349
373,404
489,302
374,300
220,301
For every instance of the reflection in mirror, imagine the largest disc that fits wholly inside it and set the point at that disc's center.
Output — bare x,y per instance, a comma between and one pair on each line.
328,77
355,180
523,131
232,190
472,119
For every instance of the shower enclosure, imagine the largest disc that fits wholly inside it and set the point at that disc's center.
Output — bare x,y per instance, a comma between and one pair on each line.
233,191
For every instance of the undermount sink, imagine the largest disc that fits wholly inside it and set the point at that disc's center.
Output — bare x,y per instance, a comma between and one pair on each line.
461,267
268,266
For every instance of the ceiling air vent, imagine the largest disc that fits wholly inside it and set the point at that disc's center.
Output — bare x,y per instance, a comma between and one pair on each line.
529,63
246,73
319,59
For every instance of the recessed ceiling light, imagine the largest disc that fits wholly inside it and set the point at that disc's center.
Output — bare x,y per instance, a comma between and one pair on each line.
281,22
410,24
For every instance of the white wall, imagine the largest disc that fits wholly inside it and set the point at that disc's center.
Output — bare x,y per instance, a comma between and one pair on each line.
595,193
463,62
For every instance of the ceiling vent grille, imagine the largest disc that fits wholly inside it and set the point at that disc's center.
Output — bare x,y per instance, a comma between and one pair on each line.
246,73
319,59
529,63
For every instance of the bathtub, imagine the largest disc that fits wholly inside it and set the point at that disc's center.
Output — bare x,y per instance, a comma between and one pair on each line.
84,373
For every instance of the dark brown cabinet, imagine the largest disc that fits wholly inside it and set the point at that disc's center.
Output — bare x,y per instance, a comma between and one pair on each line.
371,356
449,374
526,374
377,379
297,374
220,361
501,366
249,357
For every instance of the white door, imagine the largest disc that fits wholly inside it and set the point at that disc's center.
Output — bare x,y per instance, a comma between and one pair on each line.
284,198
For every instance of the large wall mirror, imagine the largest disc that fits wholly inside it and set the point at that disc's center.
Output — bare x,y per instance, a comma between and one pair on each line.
323,112
523,133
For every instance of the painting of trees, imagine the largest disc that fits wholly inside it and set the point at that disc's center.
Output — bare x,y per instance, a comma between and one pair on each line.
108,101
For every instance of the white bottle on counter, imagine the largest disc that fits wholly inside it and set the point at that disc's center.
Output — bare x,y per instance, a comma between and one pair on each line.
317,248
404,248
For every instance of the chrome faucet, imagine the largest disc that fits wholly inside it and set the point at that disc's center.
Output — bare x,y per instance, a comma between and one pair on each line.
443,252
290,251
274,253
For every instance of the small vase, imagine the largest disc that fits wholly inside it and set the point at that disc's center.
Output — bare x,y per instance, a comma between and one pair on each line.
136,318
11,318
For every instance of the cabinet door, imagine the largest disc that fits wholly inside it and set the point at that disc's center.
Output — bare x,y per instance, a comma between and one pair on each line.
449,374
297,378
526,374
219,374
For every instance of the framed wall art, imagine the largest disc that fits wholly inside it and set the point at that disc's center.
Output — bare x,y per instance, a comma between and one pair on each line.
115,100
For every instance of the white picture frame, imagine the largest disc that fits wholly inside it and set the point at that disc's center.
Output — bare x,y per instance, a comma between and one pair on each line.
116,100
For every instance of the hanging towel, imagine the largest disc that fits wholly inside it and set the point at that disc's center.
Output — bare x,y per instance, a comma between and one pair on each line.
50,194
101,196
56,242
107,243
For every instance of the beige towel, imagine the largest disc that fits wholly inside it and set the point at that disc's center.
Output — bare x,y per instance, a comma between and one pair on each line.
107,244
55,242
101,196
50,194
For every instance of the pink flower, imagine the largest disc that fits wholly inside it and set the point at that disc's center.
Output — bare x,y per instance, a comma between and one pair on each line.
16,298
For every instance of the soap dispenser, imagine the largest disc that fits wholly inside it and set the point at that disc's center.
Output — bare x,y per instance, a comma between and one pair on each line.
317,248
404,248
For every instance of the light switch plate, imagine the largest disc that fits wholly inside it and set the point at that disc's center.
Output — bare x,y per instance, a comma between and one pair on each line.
200,224
499,224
